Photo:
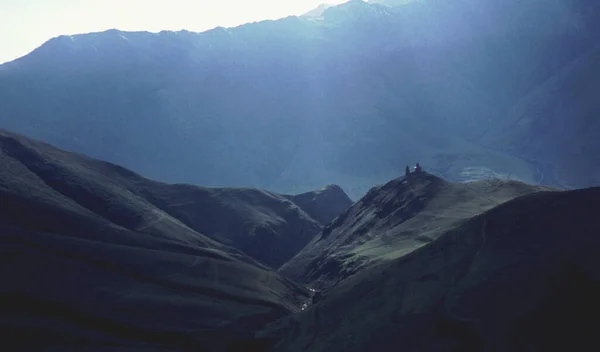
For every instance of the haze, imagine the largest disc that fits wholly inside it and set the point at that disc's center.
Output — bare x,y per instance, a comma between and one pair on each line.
26,24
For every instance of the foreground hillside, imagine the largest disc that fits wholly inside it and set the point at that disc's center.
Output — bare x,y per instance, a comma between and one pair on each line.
523,276
393,220
95,255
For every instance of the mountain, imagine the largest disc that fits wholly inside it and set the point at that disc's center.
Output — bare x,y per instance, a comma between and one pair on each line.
325,204
249,220
522,276
393,220
471,89
94,255
391,3
317,12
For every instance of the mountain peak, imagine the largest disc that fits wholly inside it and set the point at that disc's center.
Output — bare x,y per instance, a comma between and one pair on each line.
318,11
325,204
393,220
538,252
391,3
355,10
331,189
400,198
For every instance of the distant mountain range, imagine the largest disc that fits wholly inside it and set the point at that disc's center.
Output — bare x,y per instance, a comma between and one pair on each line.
471,89
317,12
96,257
392,3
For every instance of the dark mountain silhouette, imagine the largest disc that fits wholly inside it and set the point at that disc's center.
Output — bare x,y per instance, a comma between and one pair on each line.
393,220
323,205
472,89
264,225
521,276
249,220
94,255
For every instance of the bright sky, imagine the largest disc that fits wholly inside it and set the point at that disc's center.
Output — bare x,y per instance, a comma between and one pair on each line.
27,24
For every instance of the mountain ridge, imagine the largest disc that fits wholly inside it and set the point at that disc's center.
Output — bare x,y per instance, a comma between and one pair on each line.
468,93
506,278
145,205
393,220
96,256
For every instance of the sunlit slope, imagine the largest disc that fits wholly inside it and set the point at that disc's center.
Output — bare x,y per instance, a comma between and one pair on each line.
392,221
523,275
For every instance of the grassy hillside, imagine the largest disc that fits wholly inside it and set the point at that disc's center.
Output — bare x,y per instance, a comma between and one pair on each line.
394,220
245,219
523,275
88,260
96,257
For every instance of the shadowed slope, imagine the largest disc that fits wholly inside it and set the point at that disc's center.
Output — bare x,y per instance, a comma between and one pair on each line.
523,276
391,221
245,219
264,225
87,260
325,204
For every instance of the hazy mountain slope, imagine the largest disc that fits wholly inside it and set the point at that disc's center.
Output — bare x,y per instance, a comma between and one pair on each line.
393,220
541,128
522,276
325,204
318,11
390,3
246,219
86,260
293,104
